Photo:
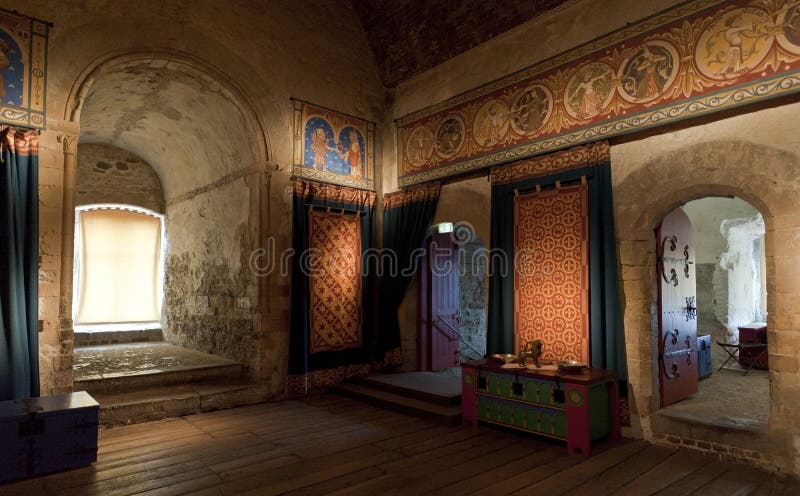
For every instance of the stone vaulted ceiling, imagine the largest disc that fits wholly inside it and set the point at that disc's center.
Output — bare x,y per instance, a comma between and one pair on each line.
411,36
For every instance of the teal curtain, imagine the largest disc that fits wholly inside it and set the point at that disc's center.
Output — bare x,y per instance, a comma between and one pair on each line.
312,371
606,337
407,218
19,258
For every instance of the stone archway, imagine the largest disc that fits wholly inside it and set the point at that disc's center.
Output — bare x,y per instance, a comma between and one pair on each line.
645,193
211,150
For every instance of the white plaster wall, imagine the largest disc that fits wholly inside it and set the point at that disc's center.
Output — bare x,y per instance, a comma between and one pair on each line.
707,215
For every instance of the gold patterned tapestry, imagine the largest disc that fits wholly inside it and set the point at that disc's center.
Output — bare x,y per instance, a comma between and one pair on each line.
333,147
23,69
551,286
696,58
335,275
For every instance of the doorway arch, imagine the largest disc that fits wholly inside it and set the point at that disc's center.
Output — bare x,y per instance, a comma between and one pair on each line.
646,192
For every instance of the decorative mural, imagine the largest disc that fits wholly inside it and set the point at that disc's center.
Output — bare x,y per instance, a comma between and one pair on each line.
333,147
335,319
23,70
551,287
697,58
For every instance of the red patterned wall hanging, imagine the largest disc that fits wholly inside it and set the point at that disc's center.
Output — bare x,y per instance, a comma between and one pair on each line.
335,275
551,281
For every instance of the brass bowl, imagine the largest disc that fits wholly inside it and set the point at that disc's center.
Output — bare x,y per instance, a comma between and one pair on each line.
570,366
503,357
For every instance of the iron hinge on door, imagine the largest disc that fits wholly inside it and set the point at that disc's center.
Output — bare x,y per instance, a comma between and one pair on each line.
672,372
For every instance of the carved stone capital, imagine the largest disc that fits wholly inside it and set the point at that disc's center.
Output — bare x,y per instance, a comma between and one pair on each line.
70,143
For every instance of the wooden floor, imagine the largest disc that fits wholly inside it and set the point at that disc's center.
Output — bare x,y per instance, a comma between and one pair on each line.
333,445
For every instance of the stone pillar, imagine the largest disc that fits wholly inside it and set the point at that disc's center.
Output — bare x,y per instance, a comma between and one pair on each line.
65,326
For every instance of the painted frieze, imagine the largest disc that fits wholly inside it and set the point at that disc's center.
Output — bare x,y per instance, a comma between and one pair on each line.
697,58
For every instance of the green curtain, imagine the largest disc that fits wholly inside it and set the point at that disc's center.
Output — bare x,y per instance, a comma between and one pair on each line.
606,337
407,218
310,371
19,258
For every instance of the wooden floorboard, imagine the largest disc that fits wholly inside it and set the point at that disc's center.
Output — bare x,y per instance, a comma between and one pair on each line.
329,444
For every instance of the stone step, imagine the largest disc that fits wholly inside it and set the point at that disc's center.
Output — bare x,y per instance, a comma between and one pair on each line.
119,381
443,414
129,366
95,338
159,402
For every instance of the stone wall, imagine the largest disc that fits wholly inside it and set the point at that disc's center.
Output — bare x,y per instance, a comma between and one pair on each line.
225,166
107,174
472,287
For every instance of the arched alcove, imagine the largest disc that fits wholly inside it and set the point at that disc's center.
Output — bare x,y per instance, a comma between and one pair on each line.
208,149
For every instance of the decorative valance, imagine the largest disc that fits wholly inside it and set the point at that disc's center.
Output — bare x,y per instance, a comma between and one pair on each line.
23,69
19,142
333,193
696,58
579,156
425,192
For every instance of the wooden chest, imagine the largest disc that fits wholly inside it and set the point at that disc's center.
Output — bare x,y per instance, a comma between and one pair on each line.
753,356
704,367
49,434
577,408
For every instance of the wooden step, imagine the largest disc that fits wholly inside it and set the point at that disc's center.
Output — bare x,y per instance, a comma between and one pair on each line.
427,386
159,402
444,414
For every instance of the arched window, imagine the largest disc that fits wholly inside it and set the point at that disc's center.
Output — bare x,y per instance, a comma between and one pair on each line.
119,266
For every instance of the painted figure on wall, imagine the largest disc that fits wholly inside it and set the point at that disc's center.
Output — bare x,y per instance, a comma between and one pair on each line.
450,137
491,123
319,147
333,147
323,153
11,71
352,153
791,25
647,72
733,35
588,91
420,145
735,43
531,109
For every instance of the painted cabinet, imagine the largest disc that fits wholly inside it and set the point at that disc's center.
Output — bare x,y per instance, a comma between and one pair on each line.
48,434
575,408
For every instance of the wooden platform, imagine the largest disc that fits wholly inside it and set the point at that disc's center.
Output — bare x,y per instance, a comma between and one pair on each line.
334,445
426,395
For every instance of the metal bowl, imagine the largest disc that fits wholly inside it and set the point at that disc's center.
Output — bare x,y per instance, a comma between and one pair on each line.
503,357
570,366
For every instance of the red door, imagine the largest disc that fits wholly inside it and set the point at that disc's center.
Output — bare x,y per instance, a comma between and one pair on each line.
437,342
677,310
